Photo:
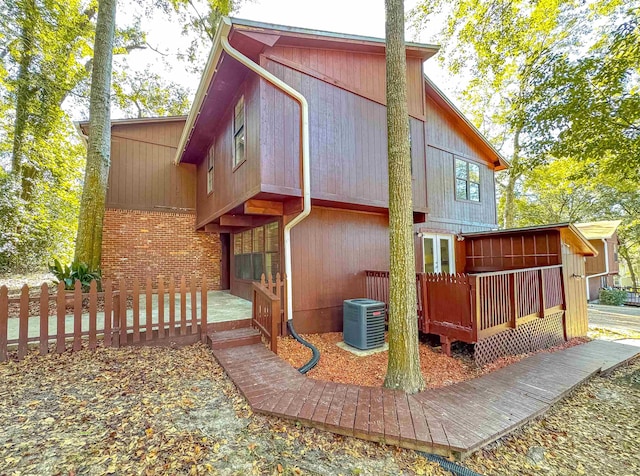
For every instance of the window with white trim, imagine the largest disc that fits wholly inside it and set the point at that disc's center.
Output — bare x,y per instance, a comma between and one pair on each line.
467,177
238,133
210,172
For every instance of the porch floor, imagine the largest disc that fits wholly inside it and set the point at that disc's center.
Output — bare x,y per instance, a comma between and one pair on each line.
222,306
454,420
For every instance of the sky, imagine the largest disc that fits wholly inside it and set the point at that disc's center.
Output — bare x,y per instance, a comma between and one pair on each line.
361,17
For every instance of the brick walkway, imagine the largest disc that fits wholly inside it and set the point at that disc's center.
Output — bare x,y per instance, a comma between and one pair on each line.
454,420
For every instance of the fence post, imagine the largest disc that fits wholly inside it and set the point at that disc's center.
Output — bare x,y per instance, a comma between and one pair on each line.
93,311
194,305
124,322
160,307
148,310
203,310
44,319
513,301
4,322
23,332
541,292
61,304
77,316
108,309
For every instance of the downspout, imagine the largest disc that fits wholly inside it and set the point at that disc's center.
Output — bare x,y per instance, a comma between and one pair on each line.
606,268
304,139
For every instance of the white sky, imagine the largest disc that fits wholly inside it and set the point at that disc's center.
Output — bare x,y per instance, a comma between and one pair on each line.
361,17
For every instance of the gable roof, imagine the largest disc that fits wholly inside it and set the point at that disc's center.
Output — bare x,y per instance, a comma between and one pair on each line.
465,125
597,230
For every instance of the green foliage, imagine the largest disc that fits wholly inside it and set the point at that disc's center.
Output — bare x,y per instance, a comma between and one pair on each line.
146,94
76,271
612,296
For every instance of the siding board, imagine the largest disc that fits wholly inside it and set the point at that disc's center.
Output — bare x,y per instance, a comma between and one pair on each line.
142,175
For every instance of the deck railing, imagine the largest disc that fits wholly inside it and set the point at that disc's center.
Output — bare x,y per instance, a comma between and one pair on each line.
470,307
112,316
633,295
266,315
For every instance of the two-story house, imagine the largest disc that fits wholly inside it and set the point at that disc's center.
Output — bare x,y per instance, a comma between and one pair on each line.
213,192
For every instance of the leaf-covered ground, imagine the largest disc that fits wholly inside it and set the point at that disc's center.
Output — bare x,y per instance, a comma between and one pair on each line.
161,411
172,411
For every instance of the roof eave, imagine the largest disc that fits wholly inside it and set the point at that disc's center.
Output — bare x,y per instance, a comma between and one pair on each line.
501,163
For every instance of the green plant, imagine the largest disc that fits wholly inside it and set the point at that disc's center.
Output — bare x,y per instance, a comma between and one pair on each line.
612,296
76,271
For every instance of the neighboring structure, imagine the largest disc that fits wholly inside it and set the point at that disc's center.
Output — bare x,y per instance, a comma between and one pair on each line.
237,181
602,269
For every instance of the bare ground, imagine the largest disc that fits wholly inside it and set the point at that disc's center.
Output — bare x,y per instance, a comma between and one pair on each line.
173,411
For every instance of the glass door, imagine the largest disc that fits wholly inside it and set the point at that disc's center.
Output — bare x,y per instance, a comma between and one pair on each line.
438,254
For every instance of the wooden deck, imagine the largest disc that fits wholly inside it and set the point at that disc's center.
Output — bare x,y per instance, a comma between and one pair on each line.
454,420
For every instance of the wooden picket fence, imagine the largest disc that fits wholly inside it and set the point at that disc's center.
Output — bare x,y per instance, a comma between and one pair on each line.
118,303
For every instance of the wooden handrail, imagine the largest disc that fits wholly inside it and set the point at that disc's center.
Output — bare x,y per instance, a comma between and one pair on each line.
265,314
510,271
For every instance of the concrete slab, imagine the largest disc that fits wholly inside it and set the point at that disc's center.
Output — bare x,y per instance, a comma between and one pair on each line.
363,353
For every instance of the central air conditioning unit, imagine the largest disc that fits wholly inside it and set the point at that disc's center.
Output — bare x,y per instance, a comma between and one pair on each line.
363,321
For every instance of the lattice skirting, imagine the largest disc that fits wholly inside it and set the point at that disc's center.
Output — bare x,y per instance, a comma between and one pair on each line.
532,336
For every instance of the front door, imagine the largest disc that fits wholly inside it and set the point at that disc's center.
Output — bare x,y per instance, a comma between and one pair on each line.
438,254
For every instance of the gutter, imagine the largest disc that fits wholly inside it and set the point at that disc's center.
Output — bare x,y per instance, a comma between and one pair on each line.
606,268
223,38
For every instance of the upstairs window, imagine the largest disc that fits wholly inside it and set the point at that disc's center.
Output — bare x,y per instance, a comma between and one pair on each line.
210,172
238,133
467,180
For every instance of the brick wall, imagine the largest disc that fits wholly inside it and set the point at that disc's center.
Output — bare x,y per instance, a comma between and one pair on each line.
141,243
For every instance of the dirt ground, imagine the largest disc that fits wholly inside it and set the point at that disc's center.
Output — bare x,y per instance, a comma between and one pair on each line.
173,411
438,370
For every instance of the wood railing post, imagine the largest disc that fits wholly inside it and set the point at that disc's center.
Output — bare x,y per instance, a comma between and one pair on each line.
476,313
513,300
108,309
275,317
541,293
61,304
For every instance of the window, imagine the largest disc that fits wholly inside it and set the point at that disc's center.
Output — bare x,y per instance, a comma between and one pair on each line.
467,180
238,133
257,251
210,171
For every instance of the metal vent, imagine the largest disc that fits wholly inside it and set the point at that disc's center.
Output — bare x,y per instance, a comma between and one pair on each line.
363,323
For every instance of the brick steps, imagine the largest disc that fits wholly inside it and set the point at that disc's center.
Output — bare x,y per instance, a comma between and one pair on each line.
234,338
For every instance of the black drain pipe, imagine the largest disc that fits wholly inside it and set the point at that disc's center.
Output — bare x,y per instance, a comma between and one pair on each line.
315,357
444,463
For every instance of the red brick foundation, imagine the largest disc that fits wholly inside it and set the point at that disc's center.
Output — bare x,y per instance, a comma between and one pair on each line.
137,244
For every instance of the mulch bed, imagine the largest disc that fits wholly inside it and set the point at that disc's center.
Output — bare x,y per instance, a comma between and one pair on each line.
338,365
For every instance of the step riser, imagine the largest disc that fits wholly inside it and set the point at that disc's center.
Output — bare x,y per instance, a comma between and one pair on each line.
226,344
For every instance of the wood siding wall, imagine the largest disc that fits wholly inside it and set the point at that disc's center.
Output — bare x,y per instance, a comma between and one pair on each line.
348,143
596,264
232,187
576,318
360,73
142,174
497,253
444,143
331,249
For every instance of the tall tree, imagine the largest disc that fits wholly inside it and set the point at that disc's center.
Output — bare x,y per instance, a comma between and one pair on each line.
502,45
403,370
92,204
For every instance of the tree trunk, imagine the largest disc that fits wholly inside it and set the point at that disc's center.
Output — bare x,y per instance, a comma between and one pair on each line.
403,370
514,174
89,239
23,88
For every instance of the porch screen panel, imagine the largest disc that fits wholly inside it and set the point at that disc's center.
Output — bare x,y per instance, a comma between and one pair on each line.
257,251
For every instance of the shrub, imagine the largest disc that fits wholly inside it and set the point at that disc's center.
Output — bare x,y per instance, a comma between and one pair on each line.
68,274
612,296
